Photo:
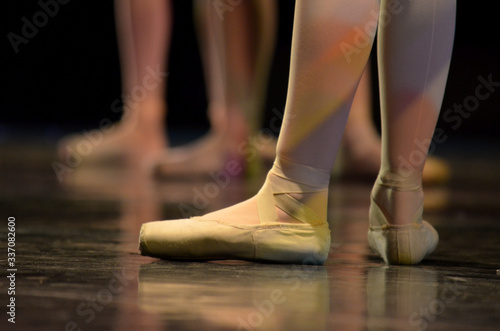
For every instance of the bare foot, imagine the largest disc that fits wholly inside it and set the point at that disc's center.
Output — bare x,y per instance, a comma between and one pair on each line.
223,147
137,137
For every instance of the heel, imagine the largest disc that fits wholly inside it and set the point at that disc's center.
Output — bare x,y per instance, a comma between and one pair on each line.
400,244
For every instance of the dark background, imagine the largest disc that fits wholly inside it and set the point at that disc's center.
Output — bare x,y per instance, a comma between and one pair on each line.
67,76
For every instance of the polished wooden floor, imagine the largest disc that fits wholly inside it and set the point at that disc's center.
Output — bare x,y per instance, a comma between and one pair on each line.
78,267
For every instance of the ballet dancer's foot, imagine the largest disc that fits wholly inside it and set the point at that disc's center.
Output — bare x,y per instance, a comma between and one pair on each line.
224,144
285,222
138,136
397,232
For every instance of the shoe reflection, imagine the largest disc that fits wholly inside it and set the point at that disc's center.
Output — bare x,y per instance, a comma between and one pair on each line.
397,296
235,295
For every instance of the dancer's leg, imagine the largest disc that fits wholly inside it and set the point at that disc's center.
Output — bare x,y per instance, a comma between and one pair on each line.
208,28
415,52
248,44
143,29
361,145
237,47
294,196
414,58
361,141
319,97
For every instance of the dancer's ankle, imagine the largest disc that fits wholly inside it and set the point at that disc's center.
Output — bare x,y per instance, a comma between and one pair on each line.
306,184
314,179
399,195
147,112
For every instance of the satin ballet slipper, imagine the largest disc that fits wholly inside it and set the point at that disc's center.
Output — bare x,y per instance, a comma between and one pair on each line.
306,241
400,244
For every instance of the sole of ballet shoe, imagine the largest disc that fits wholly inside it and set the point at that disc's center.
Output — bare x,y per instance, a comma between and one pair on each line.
201,239
400,244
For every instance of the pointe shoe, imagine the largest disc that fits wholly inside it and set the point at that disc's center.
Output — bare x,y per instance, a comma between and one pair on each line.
400,244
203,238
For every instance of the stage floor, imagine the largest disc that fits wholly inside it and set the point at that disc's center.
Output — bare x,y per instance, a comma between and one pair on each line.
77,266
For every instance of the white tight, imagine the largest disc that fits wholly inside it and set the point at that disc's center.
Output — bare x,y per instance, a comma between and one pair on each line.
331,44
332,40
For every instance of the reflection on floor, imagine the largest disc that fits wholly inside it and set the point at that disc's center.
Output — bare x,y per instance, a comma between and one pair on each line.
78,267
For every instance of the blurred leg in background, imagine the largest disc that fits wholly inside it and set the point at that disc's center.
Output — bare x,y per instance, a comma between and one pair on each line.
237,46
143,29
